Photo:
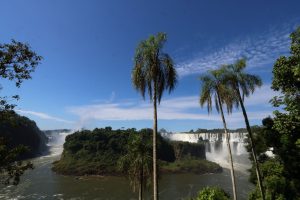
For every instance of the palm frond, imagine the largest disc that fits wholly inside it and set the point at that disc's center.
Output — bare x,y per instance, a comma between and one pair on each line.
153,69
213,86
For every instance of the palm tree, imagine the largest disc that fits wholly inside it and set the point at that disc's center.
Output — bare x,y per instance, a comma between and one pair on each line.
137,163
153,71
244,84
213,87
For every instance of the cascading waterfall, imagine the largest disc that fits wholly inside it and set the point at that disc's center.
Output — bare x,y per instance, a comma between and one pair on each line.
216,147
56,141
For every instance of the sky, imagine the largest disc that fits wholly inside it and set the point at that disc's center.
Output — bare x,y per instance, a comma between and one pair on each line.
84,79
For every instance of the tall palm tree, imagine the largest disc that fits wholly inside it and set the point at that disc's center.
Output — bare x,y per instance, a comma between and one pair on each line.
213,87
153,71
137,163
244,84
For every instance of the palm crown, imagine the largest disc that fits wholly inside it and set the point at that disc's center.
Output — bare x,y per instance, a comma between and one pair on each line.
237,78
213,87
153,69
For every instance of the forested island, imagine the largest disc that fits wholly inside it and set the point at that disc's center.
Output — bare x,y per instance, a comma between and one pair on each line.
99,152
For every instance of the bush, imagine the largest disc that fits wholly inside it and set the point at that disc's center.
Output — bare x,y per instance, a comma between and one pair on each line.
212,193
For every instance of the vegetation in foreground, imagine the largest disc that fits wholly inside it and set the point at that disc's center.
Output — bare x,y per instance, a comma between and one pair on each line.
17,62
281,134
212,193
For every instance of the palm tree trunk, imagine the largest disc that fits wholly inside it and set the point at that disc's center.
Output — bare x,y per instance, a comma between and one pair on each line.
229,150
141,184
258,174
155,185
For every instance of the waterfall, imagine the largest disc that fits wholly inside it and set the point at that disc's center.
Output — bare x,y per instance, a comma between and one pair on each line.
216,147
56,140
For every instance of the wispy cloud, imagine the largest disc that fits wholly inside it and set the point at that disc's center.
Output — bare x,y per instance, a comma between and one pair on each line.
259,50
180,108
261,96
43,116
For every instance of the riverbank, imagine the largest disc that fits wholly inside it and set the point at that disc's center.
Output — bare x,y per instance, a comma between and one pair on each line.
192,165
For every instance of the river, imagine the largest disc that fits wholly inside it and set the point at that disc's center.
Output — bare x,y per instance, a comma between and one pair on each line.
42,183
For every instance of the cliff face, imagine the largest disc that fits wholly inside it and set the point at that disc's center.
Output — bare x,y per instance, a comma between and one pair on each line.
19,130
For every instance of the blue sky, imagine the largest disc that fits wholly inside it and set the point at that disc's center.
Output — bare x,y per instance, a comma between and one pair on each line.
84,79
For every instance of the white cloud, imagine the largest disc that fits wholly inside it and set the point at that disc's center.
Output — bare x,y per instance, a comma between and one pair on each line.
43,116
259,50
180,108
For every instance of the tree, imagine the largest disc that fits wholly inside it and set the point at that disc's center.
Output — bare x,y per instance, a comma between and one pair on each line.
244,84
154,72
286,124
213,87
11,169
212,193
281,174
17,62
137,163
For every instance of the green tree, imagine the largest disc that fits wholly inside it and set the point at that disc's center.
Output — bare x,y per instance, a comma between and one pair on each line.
137,163
286,124
154,72
213,87
212,193
17,62
10,168
244,84
281,174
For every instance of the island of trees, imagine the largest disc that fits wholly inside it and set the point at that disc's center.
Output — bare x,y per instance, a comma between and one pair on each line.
101,152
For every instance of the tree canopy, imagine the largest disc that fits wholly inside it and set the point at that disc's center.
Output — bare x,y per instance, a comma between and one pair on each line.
281,173
17,62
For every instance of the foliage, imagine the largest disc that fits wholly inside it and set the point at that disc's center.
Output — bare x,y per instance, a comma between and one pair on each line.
286,125
212,193
187,149
137,162
213,87
239,80
10,168
18,130
282,133
17,62
98,151
191,165
274,182
20,138
153,70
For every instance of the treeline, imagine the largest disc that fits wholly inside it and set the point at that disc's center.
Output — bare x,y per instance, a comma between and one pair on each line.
218,130
97,152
